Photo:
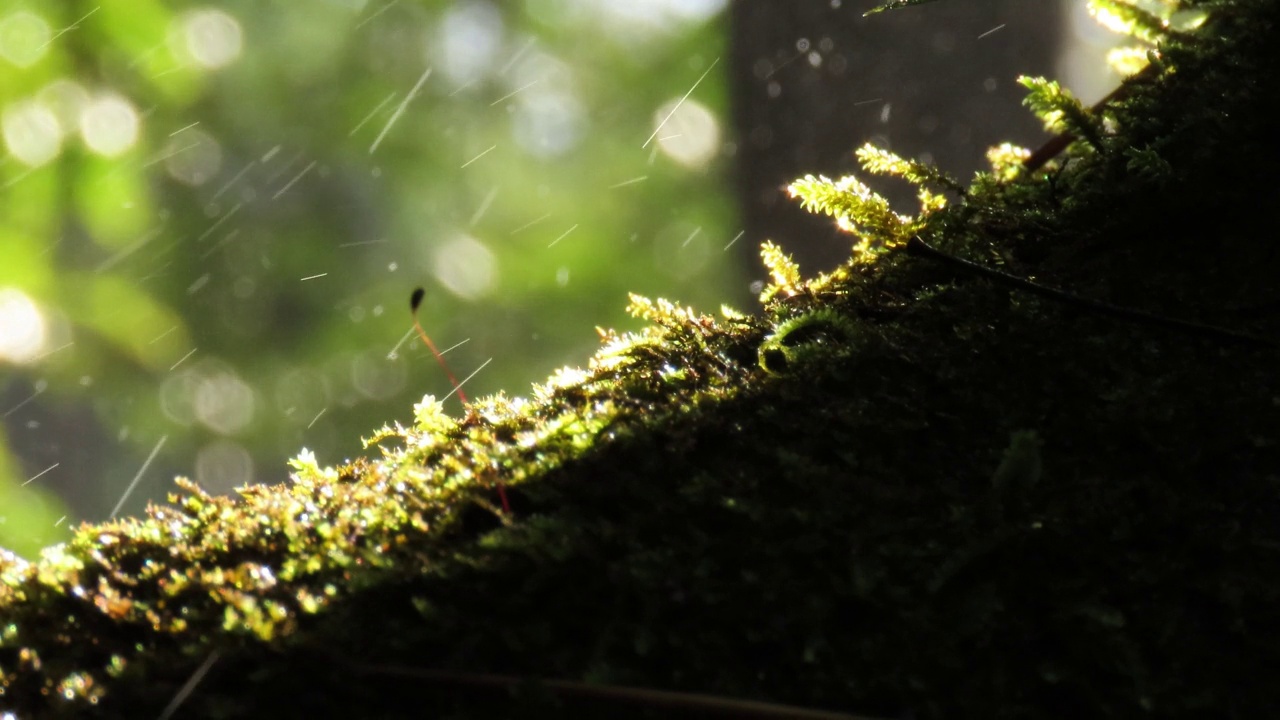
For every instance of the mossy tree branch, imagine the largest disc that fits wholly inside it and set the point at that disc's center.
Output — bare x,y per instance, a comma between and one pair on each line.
892,492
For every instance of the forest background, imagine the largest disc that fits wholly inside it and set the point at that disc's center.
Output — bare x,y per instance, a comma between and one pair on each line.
213,214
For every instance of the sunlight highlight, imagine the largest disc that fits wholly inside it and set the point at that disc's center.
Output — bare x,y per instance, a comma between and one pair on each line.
193,157
23,332
468,41
465,266
223,465
211,37
31,132
67,99
109,125
689,132
24,38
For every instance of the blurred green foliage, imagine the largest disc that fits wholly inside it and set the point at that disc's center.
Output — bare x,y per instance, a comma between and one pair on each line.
212,216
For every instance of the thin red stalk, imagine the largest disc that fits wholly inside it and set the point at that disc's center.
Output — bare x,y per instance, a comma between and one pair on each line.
414,303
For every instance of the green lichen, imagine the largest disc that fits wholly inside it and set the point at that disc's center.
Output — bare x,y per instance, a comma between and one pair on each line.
834,504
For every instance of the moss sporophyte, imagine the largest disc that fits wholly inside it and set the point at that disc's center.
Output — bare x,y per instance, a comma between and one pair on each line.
1016,458
415,301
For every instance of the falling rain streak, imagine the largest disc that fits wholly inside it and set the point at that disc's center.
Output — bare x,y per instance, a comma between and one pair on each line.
231,183
190,685
127,250
513,93
692,235
157,159
376,13
372,112
552,116
60,347
458,387
484,207
182,360
454,346
486,152
129,490
992,31
218,223
531,223
294,181
184,129
73,26
399,110
38,475
157,338
681,102
395,351
563,235
632,181
41,386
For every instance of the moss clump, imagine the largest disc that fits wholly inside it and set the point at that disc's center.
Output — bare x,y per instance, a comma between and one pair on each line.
838,504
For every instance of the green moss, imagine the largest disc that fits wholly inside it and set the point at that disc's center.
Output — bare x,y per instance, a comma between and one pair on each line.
835,504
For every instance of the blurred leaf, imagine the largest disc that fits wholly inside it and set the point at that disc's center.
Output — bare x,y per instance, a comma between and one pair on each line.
137,325
114,201
25,261
27,513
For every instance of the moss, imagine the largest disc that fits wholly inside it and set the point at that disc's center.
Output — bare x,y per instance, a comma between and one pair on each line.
838,503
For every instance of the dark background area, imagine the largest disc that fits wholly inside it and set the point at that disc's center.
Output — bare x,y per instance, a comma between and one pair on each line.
812,81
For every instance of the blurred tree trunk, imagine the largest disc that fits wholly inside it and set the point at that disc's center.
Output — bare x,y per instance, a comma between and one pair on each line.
812,80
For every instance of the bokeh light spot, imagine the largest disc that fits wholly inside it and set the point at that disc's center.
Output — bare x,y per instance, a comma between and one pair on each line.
376,377
657,16
465,266
109,125
691,133
469,38
222,466
24,38
212,37
210,392
31,132
67,99
193,157
548,123
22,327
